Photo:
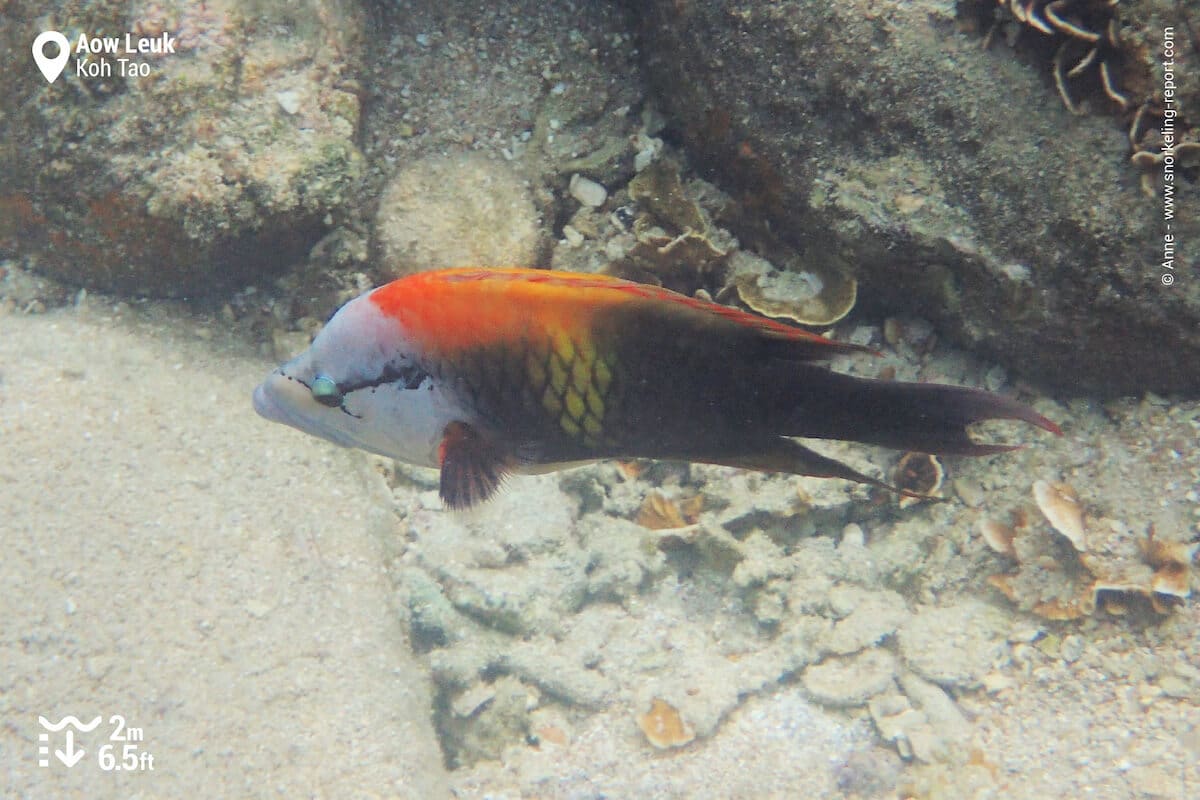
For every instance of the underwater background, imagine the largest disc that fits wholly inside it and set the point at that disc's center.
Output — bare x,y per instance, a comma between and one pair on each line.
993,194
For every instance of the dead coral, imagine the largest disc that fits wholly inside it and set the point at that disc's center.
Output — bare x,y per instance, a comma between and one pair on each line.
794,292
1088,36
1059,504
663,727
676,244
659,513
679,245
1060,584
1171,562
1096,52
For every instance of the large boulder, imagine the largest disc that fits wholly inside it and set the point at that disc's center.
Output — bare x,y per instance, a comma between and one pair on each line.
230,156
883,137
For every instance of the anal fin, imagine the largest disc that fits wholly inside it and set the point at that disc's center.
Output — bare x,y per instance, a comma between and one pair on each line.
472,466
781,454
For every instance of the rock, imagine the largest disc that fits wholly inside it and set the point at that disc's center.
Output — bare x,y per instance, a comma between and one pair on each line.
620,562
587,191
760,500
869,773
930,731
473,700
485,719
925,743
432,617
541,661
954,645
512,565
207,172
460,210
850,681
762,560
1072,648
289,101
1174,686
937,706
1009,228
875,615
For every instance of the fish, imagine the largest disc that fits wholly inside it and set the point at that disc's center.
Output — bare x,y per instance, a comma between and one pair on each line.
487,372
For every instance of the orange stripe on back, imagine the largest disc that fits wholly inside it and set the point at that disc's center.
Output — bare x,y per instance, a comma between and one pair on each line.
452,309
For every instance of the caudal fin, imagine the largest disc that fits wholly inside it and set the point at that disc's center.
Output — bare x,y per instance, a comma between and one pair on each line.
926,417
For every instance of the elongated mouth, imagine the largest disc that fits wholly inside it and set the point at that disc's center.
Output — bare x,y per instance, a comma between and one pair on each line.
265,404
289,402
279,399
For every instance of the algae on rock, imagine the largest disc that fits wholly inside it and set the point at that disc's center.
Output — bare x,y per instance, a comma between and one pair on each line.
198,175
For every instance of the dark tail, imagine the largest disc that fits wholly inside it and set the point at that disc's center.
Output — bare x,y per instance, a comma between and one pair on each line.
810,401
926,417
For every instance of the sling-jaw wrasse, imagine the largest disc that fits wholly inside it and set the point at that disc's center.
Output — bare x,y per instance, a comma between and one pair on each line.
483,372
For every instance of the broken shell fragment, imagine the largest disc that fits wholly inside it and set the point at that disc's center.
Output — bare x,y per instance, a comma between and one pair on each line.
1172,580
691,508
1059,503
919,473
553,734
1171,562
659,513
663,727
998,536
1114,605
1005,584
1053,586
1163,603
1081,605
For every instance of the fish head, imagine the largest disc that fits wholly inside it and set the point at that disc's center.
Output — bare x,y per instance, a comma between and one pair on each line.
361,384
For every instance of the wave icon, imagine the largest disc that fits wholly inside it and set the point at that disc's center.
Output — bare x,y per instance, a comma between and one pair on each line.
70,719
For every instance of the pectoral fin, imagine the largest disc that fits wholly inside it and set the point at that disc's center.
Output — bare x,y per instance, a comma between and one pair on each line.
473,466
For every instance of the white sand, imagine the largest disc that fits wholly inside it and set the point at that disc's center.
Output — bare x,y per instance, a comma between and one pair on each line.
214,579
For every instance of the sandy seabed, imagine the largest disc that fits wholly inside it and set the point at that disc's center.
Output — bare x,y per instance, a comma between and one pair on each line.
171,559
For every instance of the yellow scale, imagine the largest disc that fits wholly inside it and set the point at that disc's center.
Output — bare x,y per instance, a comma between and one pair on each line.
576,381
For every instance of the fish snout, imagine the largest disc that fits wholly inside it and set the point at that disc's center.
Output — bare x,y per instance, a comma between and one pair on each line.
278,399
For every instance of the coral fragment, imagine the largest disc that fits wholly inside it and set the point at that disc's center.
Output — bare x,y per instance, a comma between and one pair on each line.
998,536
1059,503
659,513
663,727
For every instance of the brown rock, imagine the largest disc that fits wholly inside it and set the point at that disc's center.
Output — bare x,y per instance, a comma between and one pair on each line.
1033,242
228,159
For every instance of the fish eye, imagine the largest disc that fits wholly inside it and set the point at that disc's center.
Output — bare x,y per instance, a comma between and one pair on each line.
326,392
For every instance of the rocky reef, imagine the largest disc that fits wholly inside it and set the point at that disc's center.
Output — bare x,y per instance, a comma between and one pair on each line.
224,163
959,184
944,183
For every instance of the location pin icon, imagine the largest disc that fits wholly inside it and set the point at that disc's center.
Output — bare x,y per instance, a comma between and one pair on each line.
51,67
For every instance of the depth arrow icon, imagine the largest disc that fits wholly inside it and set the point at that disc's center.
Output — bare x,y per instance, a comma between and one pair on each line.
71,756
